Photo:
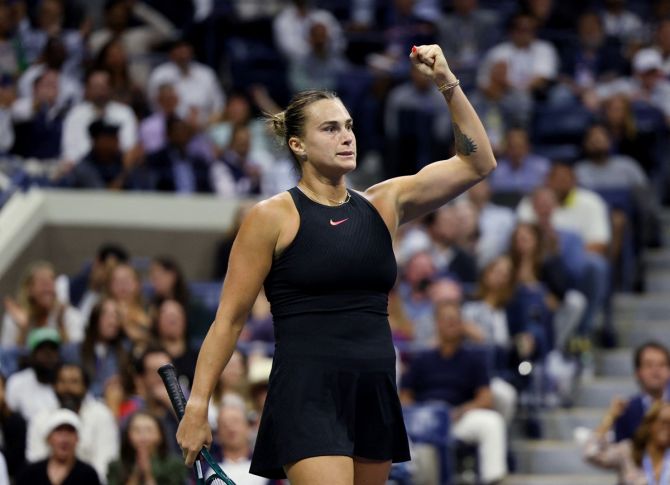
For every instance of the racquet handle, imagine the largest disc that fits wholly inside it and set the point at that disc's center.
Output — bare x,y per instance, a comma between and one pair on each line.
169,375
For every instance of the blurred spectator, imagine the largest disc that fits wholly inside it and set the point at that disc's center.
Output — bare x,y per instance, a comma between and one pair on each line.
626,136
39,117
104,349
259,376
539,269
4,475
168,282
662,43
511,341
236,174
37,306
12,61
648,85
591,58
259,326
438,375
417,125
171,333
501,105
152,128
125,287
234,382
86,288
126,87
98,105
145,455
291,29
443,228
30,390
642,460
12,434
174,169
579,210
532,64
465,34
49,24
106,166
140,29
198,88
98,442
519,170
417,273
62,430
151,395
7,98
622,23
495,224
588,270
233,435
52,58
321,66
652,371
422,331
552,16
601,169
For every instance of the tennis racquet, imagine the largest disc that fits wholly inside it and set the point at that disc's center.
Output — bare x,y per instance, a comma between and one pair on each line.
169,375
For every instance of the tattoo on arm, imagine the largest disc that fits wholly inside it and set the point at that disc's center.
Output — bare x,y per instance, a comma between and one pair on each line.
464,144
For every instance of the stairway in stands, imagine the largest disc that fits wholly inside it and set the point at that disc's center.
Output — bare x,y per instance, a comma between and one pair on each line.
556,459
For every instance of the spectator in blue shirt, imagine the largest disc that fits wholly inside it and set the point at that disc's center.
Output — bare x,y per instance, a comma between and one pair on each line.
519,170
652,369
438,375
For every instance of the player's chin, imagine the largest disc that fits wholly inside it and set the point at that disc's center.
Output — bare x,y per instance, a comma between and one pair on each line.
347,161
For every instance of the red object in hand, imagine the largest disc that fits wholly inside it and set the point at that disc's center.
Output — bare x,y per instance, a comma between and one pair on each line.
414,49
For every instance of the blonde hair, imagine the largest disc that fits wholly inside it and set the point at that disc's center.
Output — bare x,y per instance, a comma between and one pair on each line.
23,295
643,432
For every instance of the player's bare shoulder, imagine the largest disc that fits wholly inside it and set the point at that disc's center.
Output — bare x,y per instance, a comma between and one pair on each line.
275,218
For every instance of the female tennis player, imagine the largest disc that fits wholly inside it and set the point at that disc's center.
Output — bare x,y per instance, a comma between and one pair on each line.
324,254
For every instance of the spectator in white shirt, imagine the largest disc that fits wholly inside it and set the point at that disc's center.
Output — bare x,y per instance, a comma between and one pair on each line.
621,23
531,63
291,29
198,88
98,435
98,105
30,390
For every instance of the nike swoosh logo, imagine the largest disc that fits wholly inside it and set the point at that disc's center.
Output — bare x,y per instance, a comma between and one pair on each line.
336,223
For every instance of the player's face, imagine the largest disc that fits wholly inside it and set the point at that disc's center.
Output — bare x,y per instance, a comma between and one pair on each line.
329,142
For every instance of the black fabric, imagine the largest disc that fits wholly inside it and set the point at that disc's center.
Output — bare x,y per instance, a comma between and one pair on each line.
36,474
13,430
332,386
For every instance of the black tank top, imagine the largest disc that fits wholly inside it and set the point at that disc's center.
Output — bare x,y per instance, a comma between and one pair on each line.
329,288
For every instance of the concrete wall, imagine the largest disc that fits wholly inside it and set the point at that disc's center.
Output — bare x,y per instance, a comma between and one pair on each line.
68,228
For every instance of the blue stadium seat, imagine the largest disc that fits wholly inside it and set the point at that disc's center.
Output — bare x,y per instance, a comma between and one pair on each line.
430,424
207,293
554,125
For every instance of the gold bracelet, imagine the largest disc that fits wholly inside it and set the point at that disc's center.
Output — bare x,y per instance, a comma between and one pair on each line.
448,86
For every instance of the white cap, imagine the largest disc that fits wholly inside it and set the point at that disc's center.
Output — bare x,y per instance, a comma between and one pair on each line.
61,417
414,242
647,60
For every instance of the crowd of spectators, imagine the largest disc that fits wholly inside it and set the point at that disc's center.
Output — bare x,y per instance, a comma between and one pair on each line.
512,280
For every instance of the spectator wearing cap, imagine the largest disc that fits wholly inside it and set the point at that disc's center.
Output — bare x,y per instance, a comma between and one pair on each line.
62,467
105,166
98,442
200,95
662,43
76,142
30,390
648,84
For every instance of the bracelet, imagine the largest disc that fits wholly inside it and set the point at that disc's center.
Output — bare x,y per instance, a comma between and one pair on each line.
448,86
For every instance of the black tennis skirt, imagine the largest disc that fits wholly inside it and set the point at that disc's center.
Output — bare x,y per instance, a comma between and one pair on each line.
327,407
